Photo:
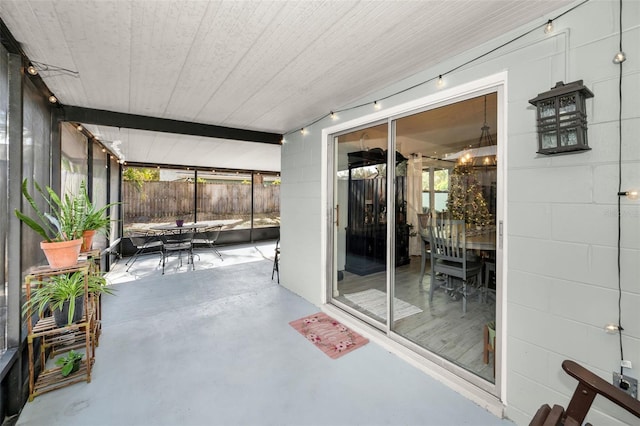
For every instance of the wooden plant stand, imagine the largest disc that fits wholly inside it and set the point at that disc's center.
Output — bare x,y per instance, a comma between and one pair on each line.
57,340
93,257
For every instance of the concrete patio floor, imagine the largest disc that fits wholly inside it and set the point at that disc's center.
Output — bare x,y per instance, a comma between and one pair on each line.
214,347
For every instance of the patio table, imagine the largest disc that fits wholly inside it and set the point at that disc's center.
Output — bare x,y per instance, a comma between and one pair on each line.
173,241
173,227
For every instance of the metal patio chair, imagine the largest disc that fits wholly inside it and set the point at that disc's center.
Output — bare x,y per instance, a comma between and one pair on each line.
209,237
276,262
145,244
178,242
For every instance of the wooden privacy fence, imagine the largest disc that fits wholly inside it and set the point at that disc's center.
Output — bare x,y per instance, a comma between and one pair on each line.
160,200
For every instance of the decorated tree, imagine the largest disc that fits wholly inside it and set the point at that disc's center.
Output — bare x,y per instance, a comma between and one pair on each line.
466,201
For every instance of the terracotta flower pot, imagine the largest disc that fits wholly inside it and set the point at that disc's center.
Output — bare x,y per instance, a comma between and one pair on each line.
62,254
87,239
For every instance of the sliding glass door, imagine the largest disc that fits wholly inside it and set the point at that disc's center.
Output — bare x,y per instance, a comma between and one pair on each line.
360,189
442,164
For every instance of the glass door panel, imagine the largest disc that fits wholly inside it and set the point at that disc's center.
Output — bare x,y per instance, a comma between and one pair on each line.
360,234
450,174
444,168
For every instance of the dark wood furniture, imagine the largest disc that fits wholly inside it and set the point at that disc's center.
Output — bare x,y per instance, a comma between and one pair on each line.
366,245
589,385
489,344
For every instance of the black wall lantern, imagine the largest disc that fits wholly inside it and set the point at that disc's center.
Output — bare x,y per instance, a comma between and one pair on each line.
562,118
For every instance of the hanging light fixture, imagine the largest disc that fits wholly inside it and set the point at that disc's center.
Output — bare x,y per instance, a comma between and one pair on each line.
485,153
485,136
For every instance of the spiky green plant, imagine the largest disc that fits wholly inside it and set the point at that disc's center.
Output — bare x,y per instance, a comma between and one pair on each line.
58,289
64,222
95,219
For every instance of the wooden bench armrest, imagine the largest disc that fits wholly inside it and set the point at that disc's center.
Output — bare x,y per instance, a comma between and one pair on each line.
589,385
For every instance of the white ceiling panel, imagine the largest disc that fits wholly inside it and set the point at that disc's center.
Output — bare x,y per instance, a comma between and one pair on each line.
168,148
264,65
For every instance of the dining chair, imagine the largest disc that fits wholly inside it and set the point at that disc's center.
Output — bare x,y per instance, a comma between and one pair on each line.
179,242
145,244
425,245
449,257
209,237
488,290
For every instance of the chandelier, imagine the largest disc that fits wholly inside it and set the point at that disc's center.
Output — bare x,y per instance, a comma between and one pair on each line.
484,152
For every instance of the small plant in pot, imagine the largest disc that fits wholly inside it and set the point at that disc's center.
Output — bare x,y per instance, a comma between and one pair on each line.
70,363
64,295
94,219
61,228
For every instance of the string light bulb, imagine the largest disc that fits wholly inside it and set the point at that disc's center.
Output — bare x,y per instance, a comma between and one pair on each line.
549,27
632,195
32,70
619,58
79,127
53,99
376,105
612,328
302,131
333,115
440,81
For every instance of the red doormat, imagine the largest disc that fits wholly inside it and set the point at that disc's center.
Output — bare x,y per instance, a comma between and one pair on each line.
331,337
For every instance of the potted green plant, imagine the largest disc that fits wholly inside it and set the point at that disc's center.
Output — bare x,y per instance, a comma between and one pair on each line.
64,295
61,228
70,363
95,220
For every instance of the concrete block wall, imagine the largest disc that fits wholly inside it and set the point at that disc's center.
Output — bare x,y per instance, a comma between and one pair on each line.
560,281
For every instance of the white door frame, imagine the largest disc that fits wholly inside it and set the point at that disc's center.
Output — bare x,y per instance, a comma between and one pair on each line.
498,82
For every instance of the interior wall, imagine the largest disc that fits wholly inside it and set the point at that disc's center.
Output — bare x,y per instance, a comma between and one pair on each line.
560,281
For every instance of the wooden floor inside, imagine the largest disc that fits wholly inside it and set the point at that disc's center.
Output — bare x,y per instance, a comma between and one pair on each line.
441,327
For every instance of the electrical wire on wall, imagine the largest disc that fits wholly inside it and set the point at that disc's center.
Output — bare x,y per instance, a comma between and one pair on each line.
619,59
